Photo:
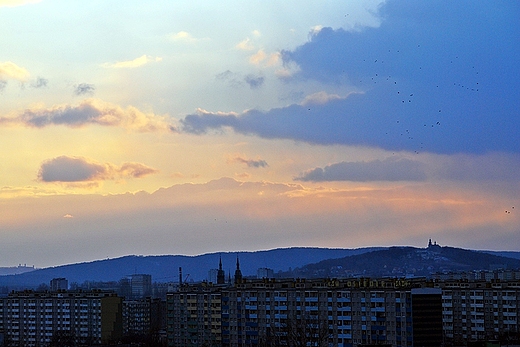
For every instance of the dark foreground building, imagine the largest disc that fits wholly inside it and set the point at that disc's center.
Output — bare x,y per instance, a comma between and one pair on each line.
34,319
427,317
293,312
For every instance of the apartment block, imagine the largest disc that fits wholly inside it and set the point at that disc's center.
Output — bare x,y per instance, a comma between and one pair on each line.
34,319
194,316
143,317
294,312
480,310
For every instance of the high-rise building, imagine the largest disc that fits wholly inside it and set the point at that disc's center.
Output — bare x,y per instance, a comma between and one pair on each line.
141,286
59,284
264,272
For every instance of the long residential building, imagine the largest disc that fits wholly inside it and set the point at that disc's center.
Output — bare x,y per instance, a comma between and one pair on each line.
298,312
34,319
347,312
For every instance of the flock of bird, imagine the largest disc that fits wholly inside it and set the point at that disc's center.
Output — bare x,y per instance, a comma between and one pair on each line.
408,121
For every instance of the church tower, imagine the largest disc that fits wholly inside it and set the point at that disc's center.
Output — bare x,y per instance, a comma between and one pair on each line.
238,273
221,275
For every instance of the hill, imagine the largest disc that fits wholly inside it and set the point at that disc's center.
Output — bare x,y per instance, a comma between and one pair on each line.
165,268
403,261
288,262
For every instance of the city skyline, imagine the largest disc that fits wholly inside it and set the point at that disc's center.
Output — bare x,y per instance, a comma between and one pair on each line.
194,127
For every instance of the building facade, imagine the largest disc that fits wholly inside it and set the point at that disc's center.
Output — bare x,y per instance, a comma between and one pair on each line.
348,312
194,316
293,312
143,317
36,318
480,310
59,284
141,285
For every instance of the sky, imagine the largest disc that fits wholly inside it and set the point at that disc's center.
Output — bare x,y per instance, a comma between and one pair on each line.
187,127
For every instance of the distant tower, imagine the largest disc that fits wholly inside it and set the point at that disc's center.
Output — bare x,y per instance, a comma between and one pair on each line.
238,273
221,275
429,243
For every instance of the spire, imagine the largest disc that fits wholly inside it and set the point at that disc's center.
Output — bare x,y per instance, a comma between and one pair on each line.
221,275
238,273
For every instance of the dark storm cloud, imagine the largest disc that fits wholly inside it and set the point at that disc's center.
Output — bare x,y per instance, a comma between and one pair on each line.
254,81
433,77
84,89
390,169
76,169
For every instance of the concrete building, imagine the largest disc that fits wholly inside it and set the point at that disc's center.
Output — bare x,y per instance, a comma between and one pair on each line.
34,319
194,316
264,272
143,317
292,312
480,310
59,284
427,317
141,285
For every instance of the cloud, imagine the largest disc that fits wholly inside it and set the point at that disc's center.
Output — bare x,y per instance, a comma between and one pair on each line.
420,87
232,78
236,80
265,59
68,216
184,36
11,71
491,167
88,112
254,81
258,163
77,169
40,83
245,45
130,64
389,169
135,170
274,214
84,89
15,3
320,98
